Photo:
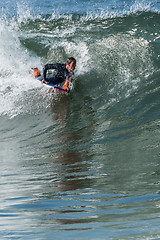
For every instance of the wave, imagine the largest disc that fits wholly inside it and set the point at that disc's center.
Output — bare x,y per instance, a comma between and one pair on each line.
116,55
24,9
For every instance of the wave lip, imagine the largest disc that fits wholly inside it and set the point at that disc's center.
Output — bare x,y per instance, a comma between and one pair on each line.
92,9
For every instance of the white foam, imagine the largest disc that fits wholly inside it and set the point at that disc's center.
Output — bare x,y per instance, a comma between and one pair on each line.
24,13
15,65
142,5
126,9
131,60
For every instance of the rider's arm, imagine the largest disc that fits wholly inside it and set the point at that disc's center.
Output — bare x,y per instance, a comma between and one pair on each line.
68,80
66,85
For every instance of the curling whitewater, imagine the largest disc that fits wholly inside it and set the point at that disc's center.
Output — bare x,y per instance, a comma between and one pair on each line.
86,164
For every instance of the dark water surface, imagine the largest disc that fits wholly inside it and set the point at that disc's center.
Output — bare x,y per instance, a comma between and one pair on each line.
86,165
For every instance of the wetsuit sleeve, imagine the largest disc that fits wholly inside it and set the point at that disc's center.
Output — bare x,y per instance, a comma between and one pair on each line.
47,67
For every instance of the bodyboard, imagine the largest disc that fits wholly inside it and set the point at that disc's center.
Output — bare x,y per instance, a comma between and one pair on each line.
49,85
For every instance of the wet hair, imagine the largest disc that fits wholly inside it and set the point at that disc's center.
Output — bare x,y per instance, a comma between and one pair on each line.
71,59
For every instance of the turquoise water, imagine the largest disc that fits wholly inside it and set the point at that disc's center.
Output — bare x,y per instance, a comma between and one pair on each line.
86,165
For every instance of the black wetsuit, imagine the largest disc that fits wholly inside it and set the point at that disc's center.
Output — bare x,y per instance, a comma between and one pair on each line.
58,73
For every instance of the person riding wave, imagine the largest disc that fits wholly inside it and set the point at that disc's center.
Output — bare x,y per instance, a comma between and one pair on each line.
57,73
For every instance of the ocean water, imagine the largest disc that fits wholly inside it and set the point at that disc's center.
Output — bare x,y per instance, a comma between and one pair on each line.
86,165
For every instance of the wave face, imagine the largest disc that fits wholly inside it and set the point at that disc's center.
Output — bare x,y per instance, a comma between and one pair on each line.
87,162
